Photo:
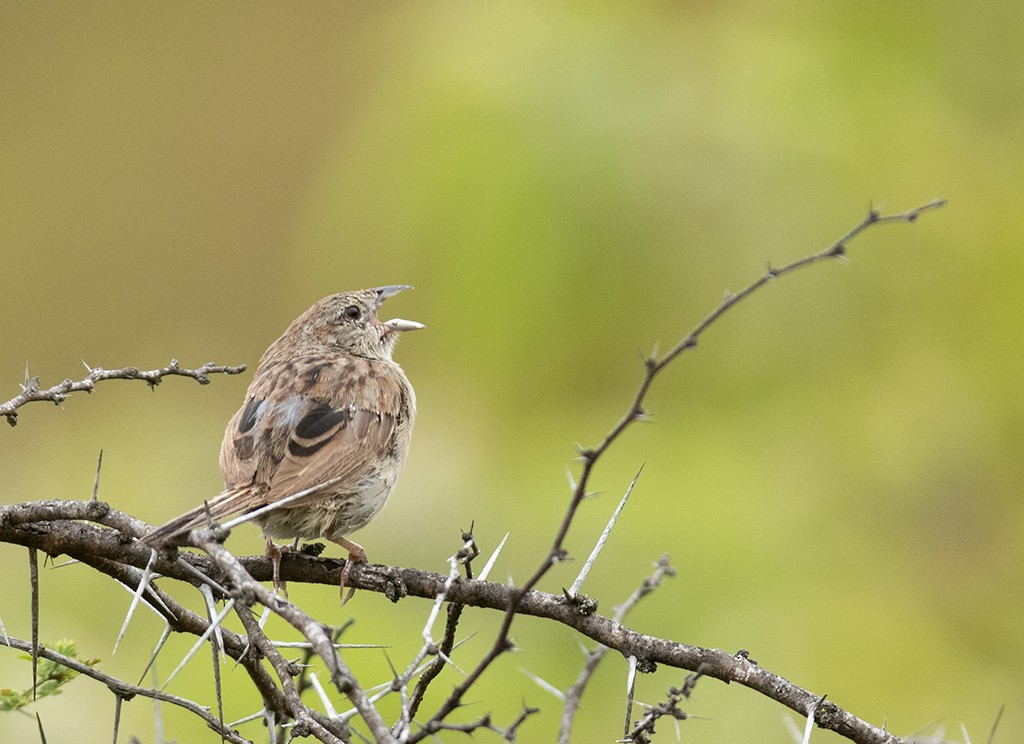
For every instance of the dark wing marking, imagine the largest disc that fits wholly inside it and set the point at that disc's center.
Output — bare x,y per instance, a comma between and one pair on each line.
316,429
249,415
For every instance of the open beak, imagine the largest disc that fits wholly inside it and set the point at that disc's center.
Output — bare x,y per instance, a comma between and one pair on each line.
396,325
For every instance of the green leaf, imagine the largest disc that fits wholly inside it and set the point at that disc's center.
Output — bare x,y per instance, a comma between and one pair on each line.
51,676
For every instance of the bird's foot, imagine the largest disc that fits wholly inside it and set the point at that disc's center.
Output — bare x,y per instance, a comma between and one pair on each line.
356,554
274,553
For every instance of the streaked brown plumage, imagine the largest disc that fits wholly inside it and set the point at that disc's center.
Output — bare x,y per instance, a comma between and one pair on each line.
328,413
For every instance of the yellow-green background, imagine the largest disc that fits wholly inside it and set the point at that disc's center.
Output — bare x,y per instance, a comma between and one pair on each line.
836,471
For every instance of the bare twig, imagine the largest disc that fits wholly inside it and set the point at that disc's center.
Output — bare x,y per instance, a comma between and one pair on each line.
644,727
443,652
312,722
31,392
574,695
483,723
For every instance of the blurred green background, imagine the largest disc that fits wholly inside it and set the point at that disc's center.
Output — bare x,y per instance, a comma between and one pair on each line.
836,471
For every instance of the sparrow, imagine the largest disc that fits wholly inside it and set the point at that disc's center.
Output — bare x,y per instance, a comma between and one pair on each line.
317,446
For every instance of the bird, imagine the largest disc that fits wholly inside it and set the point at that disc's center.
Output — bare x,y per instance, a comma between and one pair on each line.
318,444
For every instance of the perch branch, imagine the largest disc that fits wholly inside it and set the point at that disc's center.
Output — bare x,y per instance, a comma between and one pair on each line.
53,532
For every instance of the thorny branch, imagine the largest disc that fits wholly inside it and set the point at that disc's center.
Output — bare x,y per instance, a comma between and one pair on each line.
654,365
644,728
574,695
57,527
244,586
48,526
443,651
31,390
318,725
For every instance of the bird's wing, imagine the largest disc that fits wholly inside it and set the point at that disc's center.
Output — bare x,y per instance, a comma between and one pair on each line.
306,424
309,423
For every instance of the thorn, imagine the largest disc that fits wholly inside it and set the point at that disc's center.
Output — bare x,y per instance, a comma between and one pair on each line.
543,684
630,690
812,709
160,645
211,608
494,557
322,694
604,536
136,596
96,483
213,626
31,384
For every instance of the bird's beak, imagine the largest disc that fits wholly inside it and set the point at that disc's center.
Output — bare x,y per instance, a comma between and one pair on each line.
398,324
384,292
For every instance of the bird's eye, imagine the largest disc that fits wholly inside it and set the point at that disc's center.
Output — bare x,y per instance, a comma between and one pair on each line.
353,312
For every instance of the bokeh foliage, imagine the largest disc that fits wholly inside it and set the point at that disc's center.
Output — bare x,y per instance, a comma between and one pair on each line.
836,471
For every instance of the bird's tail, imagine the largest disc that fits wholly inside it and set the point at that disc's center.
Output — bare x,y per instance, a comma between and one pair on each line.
225,504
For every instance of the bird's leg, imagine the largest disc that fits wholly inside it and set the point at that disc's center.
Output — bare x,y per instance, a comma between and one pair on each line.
274,553
356,554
